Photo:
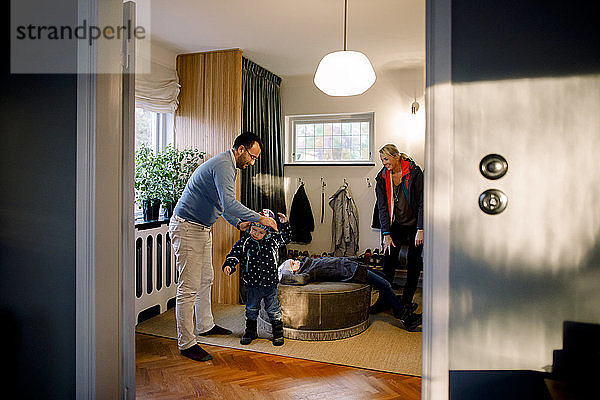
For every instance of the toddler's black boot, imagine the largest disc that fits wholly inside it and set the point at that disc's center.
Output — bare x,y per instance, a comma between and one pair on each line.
250,334
277,326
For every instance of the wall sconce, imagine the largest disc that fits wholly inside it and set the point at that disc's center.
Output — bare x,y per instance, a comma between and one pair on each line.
414,107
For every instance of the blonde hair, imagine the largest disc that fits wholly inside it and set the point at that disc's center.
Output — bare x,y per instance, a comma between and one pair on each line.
391,150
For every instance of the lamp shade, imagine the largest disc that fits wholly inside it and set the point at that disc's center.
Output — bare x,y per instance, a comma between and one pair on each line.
344,73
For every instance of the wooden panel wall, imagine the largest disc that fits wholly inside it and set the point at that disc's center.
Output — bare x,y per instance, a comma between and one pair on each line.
209,118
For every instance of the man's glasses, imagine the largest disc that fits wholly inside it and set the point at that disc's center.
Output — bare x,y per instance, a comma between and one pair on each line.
254,158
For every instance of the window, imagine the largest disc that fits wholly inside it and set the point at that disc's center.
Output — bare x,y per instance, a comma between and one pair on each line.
332,139
153,129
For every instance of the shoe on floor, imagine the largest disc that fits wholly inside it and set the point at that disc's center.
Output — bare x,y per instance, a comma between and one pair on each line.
216,330
196,353
412,322
277,328
250,333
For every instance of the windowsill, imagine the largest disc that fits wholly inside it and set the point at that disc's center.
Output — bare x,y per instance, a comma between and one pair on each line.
141,225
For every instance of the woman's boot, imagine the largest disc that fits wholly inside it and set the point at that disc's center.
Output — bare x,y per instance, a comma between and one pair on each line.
277,327
250,333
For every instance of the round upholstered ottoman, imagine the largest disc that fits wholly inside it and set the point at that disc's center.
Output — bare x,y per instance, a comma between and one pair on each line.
322,310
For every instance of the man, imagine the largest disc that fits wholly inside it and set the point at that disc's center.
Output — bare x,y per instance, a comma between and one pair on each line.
209,193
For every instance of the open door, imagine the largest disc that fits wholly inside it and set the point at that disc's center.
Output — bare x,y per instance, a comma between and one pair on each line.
509,257
127,193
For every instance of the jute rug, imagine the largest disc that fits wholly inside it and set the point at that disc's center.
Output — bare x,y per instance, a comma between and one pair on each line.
383,346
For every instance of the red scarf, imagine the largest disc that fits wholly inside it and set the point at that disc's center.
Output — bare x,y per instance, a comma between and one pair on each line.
387,177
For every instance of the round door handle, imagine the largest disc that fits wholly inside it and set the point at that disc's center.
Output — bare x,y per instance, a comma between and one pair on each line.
493,166
493,201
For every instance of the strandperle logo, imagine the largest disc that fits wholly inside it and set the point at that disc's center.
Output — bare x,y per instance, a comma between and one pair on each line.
70,37
84,31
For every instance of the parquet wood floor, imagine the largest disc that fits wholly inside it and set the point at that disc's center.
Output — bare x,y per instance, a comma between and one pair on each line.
162,373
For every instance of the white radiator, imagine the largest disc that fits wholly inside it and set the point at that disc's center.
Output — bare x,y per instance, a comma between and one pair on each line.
155,271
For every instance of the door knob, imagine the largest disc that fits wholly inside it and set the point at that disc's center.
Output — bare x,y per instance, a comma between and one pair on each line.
493,166
493,201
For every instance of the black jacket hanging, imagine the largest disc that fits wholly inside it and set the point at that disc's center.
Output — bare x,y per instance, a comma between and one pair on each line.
302,222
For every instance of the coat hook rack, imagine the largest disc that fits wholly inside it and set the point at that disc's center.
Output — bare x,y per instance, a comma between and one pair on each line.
369,182
323,184
345,182
300,181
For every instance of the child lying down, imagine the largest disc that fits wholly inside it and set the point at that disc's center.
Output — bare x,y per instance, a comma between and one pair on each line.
346,269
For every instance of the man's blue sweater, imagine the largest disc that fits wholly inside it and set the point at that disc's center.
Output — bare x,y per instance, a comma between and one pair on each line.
210,193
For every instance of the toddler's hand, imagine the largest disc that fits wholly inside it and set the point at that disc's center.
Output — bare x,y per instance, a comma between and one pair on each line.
227,270
282,217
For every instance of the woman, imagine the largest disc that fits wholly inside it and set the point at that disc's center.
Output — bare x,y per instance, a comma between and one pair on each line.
399,191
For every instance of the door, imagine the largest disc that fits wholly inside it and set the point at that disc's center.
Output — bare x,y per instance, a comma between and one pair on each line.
521,81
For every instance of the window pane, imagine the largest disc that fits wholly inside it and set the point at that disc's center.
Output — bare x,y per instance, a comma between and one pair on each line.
310,142
318,142
310,130
364,128
364,141
337,142
346,128
300,142
346,153
337,128
144,122
332,138
318,129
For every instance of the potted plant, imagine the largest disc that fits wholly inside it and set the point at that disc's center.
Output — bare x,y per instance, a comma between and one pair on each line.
176,167
147,182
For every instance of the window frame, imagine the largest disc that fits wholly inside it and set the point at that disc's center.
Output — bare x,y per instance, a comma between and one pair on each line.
293,120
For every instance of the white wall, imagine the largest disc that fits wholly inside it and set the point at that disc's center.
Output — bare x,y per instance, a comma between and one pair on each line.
390,98
160,54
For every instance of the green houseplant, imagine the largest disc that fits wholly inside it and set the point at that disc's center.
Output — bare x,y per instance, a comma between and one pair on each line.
176,167
147,182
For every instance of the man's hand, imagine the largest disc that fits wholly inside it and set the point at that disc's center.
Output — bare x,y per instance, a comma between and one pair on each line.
282,218
387,244
244,226
419,238
270,222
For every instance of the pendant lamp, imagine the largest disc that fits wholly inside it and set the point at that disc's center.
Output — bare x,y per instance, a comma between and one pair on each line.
344,73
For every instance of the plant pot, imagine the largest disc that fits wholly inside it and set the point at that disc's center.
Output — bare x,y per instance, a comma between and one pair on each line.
168,209
151,210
